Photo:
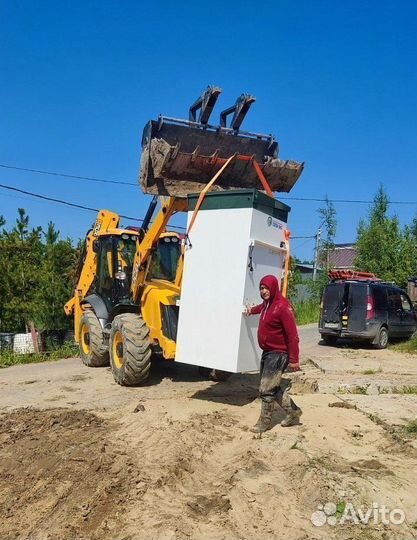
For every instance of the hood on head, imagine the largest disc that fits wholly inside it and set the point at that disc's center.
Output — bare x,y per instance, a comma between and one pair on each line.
271,283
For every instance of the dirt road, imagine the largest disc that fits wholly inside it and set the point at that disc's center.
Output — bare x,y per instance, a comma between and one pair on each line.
84,458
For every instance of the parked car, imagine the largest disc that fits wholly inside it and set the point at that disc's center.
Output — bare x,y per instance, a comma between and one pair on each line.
371,311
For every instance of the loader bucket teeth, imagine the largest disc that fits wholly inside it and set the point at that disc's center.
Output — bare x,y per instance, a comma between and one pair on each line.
180,157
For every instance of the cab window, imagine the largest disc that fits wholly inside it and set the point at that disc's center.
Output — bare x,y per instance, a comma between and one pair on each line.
165,259
105,267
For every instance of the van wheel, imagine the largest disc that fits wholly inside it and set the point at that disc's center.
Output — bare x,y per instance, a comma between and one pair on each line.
381,340
329,340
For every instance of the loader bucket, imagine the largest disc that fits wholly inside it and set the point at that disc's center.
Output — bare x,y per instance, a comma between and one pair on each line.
180,157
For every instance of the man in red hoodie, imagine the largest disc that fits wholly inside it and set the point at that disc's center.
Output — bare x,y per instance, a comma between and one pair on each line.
278,338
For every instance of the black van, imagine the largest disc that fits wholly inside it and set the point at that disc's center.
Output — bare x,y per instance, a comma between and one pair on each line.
363,310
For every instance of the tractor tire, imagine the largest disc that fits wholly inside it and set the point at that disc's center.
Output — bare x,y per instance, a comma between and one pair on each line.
216,375
130,349
381,340
93,352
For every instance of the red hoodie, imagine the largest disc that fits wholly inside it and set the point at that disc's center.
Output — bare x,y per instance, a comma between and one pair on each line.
277,330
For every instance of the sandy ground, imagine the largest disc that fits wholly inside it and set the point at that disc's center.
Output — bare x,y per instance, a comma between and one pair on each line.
84,458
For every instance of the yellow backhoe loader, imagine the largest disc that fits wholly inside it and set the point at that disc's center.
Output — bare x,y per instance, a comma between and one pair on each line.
126,299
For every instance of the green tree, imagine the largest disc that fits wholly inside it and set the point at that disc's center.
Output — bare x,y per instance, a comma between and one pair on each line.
329,227
413,228
35,276
293,280
20,258
383,247
55,283
329,224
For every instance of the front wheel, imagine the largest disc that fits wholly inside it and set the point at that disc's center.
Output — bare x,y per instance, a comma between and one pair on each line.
93,352
130,349
381,340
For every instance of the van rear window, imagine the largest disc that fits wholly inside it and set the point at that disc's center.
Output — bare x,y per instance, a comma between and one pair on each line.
333,294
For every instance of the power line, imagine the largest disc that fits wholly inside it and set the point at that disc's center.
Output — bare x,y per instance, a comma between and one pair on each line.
95,210
135,184
73,205
299,246
358,201
65,175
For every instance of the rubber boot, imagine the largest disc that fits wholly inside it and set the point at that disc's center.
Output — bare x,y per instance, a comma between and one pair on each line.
292,418
264,421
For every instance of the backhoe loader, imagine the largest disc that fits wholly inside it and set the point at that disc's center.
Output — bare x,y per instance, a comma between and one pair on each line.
126,299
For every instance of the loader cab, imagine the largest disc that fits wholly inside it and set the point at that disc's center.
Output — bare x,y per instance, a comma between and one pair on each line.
115,254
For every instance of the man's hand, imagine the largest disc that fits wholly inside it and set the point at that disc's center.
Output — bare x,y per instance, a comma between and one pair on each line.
294,366
247,310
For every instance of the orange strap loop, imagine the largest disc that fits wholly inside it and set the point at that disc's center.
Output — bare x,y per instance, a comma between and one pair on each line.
262,178
287,235
226,163
203,193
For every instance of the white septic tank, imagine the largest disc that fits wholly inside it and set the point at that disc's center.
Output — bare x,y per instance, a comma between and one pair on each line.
236,239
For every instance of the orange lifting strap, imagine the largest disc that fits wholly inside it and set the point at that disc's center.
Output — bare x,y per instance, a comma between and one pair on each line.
226,162
267,188
284,288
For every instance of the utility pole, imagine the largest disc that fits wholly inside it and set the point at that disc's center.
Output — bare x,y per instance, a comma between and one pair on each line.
316,254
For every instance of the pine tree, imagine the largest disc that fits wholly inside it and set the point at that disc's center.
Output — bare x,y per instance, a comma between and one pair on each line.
35,277
21,253
383,248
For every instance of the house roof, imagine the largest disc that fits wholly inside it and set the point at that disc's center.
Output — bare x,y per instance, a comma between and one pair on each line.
305,268
346,245
343,256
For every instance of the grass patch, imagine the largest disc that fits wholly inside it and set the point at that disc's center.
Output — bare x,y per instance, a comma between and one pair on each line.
307,312
319,462
371,371
9,358
362,390
375,419
340,509
411,427
359,390
405,389
409,346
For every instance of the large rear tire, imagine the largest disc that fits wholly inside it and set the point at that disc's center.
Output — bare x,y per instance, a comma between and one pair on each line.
93,352
130,349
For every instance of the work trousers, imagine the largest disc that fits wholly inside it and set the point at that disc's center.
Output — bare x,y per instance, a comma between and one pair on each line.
272,387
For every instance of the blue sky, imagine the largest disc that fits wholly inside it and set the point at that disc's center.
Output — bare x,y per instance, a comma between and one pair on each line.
336,82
